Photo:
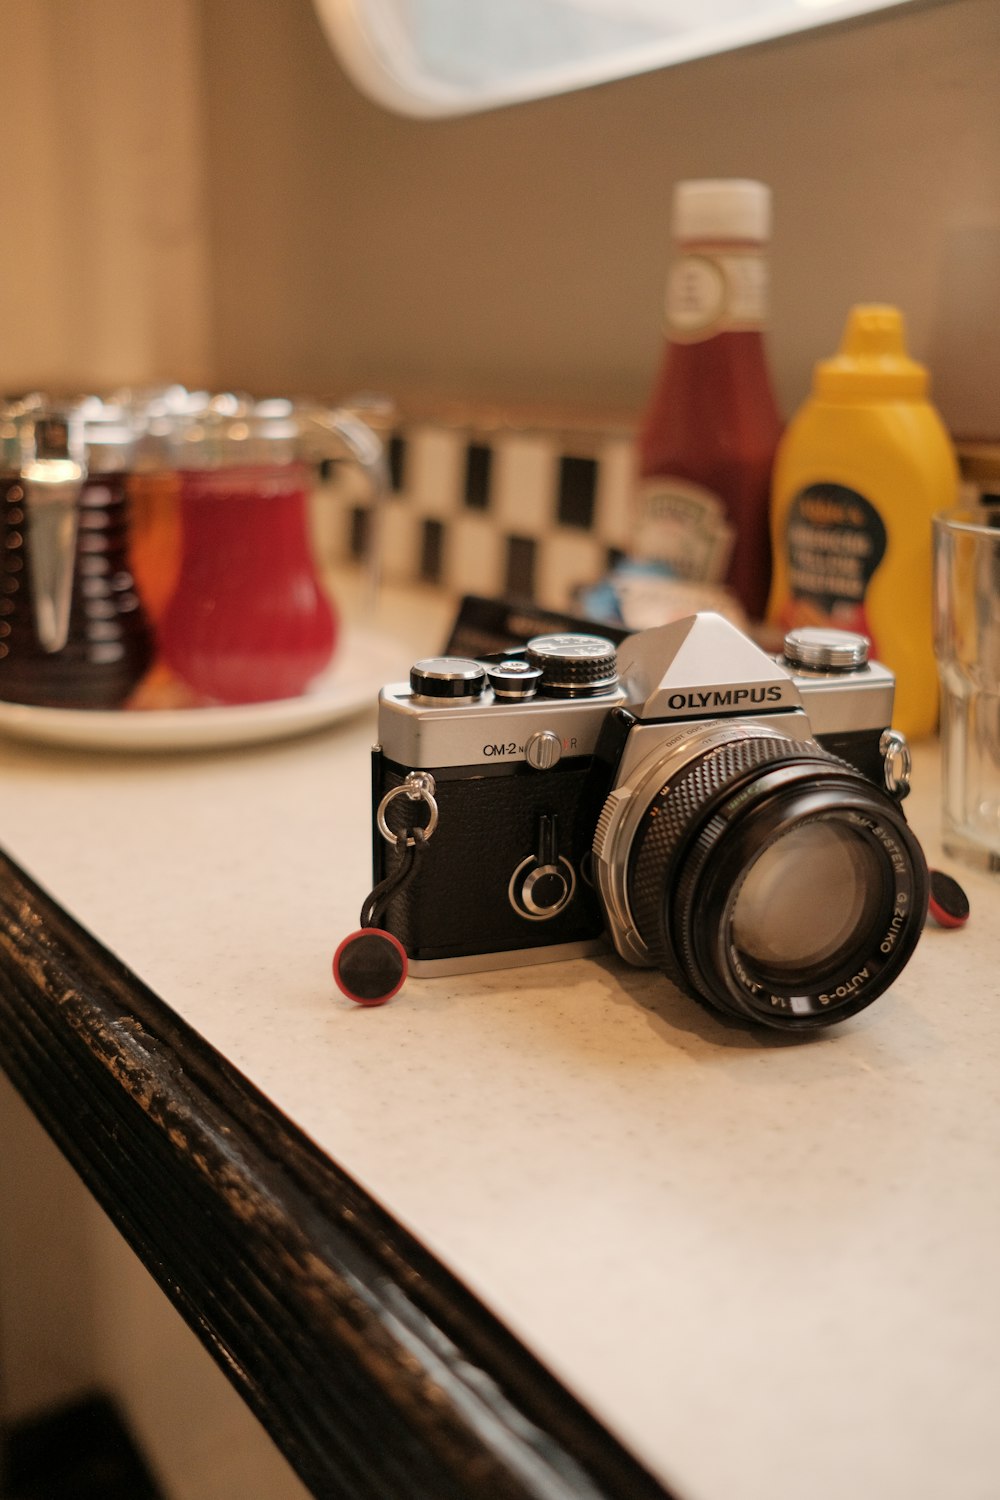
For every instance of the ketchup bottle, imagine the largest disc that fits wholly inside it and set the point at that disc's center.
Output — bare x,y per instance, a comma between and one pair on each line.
707,440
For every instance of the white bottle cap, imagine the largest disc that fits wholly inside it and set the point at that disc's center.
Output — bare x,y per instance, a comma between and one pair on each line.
725,209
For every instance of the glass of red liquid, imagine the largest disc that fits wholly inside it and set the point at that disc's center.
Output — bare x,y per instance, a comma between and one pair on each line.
250,619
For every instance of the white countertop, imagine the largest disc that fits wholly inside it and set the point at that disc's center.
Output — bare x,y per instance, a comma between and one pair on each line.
769,1267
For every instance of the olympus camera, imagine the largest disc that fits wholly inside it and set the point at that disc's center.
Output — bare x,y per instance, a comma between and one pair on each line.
729,817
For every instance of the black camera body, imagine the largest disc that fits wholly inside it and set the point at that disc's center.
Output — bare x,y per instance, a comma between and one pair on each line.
675,797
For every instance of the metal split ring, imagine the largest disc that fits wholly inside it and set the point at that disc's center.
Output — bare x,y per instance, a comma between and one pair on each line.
897,763
418,787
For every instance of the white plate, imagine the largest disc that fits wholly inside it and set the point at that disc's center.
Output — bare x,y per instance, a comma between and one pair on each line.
363,663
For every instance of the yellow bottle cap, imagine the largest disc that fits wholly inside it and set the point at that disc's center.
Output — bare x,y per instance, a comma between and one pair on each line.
872,360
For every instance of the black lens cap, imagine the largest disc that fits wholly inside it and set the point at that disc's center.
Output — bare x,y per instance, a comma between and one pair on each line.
370,966
949,905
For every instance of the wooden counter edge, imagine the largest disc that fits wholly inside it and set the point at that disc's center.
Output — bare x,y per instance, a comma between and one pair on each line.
374,1370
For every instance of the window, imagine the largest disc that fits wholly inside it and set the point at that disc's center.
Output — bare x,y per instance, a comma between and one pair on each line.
441,57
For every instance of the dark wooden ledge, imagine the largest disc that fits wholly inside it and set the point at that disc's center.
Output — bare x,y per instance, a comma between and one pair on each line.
375,1371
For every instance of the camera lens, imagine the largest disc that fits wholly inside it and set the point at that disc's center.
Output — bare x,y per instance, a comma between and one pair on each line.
806,899
772,881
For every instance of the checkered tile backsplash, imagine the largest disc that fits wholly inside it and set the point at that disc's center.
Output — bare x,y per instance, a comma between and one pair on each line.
519,514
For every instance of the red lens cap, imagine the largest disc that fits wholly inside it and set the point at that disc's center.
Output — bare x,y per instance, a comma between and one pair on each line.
370,966
949,905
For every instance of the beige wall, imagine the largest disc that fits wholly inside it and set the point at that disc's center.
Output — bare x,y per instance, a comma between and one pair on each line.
194,191
103,251
521,253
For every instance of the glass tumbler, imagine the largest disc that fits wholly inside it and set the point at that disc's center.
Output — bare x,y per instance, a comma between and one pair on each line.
967,646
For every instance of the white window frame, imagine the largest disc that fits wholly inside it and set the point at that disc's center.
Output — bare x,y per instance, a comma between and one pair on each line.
380,53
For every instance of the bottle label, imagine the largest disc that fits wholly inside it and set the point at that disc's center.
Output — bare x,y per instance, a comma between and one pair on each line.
835,539
716,291
685,527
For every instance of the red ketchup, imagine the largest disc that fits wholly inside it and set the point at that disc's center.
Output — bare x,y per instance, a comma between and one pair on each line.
709,433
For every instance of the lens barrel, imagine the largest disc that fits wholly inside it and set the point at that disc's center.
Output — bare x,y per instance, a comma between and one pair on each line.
775,883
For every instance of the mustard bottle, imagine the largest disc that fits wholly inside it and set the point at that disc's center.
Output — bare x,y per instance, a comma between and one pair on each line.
858,474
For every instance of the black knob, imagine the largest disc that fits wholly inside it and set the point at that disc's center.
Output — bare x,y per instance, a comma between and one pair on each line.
545,891
513,681
447,678
574,666
543,884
